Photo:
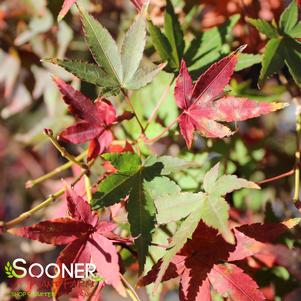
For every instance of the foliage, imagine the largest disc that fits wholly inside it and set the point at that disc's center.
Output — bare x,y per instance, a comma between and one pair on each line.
169,152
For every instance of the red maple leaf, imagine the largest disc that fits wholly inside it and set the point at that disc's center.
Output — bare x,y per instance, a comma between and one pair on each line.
199,263
97,119
202,107
87,239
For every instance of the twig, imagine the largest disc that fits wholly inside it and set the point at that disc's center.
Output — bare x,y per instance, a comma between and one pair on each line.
152,140
56,171
130,290
88,188
25,215
284,175
62,150
297,101
132,108
296,197
159,103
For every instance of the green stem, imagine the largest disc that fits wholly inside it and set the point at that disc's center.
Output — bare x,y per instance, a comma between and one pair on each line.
159,103
297,155
88,188
132,108
152,140
129,289
56,171
25,215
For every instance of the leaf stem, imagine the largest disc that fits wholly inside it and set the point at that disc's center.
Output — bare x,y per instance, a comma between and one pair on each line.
284,175
159,103
30,183
129,289
152,140
296,197
62,150
132,108
88,188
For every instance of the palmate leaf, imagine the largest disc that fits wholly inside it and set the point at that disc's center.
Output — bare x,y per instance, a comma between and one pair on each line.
87,240
203,108
141,182
114,71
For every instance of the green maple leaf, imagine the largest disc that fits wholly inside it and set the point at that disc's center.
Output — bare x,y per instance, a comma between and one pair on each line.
141,182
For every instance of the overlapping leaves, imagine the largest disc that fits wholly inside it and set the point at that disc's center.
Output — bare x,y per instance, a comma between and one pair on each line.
86,238
96,119
141,182
209,206
206,260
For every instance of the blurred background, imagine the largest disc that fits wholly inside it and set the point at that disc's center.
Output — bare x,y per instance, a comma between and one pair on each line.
29,102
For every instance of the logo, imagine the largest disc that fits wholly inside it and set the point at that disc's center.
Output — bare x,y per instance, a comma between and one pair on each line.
18,269
10,272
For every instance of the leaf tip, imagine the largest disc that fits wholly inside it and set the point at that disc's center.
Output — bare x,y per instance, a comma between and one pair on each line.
291,223
279,105
241,48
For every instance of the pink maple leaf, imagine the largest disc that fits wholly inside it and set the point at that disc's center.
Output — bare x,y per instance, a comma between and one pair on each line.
97,120
65,8
202,107
87,239
139,3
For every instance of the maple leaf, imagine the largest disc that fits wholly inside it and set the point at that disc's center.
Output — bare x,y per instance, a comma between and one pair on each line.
87,239
97,119
65,8
199,265
202,110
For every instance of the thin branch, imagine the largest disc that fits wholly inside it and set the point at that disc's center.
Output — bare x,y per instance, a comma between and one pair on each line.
130,290
88,188
152,140
25,215
284,175
62,150
132,108
296,197
159,103
297,101
29,184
